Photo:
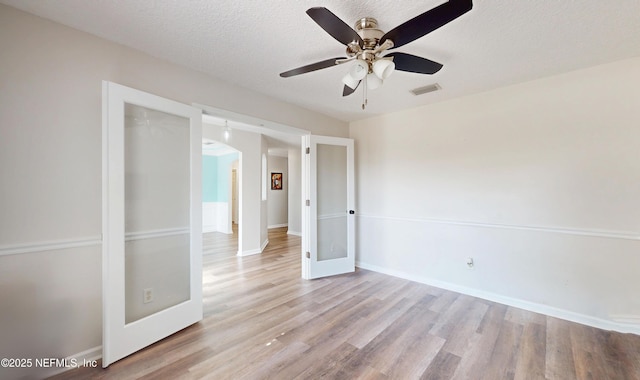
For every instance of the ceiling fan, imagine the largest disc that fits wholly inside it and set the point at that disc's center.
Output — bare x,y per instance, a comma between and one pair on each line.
367,45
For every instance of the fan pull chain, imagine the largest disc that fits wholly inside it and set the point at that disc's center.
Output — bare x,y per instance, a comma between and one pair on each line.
364,93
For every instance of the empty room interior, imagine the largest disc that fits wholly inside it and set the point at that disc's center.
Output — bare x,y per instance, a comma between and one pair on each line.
294,190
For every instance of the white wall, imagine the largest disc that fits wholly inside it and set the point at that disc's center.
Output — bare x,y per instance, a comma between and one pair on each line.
50,170
278,200
538,182
294,218
215,217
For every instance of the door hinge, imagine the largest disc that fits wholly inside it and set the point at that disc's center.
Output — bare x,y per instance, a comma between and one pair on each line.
308,202
308,255
308,150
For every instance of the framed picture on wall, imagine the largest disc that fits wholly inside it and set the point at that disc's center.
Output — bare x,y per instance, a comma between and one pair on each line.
276,181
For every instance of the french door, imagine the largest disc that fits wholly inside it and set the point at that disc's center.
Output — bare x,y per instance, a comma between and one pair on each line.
152,242
329,220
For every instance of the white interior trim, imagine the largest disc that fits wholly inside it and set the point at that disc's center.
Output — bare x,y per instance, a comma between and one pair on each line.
151,234
626,235
54,245
332,216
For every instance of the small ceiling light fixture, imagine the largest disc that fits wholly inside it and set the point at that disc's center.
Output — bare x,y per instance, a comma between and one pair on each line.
383,68
373,81
359,70
350,82
227,131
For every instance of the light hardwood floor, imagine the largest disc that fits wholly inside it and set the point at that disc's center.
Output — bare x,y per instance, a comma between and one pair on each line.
262,321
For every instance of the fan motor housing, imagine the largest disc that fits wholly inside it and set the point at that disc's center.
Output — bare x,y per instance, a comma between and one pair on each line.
367,28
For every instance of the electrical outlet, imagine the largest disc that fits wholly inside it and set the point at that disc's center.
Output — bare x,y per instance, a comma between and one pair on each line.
470,262
147,295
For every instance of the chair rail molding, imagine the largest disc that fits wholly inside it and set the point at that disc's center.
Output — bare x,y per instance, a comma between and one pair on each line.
626,235
52,245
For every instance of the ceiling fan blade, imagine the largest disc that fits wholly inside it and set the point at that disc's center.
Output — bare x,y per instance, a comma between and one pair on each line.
414,64
427,22
312,67
334,26
346,91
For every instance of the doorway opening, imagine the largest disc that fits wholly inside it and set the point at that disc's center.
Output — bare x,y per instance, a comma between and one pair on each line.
258,140
220,164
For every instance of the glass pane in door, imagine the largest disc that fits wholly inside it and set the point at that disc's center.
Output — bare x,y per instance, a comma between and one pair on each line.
157,213
332,201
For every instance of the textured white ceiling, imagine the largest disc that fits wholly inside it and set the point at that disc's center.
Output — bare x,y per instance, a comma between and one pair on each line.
248,43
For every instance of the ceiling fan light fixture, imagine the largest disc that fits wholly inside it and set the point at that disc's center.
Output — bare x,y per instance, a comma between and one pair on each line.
359,70
350,81
367,45
383,68
373,81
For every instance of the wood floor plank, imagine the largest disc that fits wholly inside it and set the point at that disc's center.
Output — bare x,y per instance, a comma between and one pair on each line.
378,322
442,367
559,352
531,354
262,321
462,329
417,354
501,364
332,363
474,361
273,367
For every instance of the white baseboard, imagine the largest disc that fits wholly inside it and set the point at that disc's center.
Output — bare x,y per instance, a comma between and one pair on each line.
213,229
81,359
254,251
294,233
249,252
278,225
630,320
623,324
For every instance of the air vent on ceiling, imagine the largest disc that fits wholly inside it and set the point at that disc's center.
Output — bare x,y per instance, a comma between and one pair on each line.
426,89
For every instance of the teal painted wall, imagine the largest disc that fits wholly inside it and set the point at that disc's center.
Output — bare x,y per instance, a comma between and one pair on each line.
209,178
215,177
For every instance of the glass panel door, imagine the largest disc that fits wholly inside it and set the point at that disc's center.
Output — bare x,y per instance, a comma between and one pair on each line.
152,235
156,209
330,214
331,217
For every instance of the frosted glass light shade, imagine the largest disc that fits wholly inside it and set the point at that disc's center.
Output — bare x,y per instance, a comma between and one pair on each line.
383,68
373,81
359,70
350,82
